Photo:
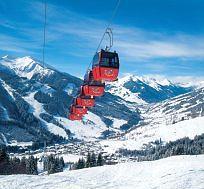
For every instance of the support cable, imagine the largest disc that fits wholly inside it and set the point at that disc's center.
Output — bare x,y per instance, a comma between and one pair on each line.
107,30
44,33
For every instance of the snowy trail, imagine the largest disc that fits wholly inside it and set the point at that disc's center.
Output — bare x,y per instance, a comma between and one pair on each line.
178,172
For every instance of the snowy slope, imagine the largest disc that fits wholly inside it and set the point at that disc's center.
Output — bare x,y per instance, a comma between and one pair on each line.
141,136
178,172
143,90
25,66
181,116
38,97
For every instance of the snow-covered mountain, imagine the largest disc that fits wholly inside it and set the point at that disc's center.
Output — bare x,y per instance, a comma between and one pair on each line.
177,172
35,99
145,90
172,119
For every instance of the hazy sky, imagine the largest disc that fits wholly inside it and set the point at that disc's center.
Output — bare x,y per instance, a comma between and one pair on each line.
152,37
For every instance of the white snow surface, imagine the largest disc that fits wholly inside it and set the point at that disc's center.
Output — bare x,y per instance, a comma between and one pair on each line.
23,144
117,123
87,130
117,88
36,108
25,66
141,136
69,88
70,157
178,172
8,88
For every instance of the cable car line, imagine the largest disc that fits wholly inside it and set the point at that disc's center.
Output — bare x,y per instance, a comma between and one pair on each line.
44,33
105,68
109,24
110,35
107,29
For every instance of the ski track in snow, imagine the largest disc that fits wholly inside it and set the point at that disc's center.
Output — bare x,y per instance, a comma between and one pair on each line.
8,88
177,172
4,139
36,109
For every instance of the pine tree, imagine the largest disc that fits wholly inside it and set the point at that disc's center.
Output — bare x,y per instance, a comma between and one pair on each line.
31,166
88,160
100,160
23,161
4,157
53,164
45,163
80,164
93,160
51,169
58,165
62,164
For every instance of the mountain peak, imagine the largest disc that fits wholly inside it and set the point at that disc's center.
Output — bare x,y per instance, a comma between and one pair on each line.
129,77
145,89
26,66
146,79
25,59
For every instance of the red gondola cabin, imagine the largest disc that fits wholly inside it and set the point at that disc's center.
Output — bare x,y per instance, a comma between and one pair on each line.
74,117
85,101
91,87
105,66
75,109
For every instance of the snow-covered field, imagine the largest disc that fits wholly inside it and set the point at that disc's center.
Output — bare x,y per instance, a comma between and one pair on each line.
178,172
141,136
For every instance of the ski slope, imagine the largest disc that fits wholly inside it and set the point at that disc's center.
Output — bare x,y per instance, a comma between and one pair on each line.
141,136
178,172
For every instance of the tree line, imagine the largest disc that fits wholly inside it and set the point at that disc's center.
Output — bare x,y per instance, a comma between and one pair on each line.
184,146
91,161
17,166
53,164
29,165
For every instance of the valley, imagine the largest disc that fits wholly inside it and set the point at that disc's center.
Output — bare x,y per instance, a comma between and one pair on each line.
135,116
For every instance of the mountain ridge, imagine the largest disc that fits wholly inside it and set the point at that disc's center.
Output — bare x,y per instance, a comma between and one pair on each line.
144,90
36,99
